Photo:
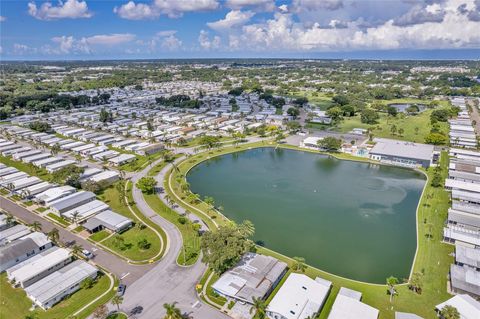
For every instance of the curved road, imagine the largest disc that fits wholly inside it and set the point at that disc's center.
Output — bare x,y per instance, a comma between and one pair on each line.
167,282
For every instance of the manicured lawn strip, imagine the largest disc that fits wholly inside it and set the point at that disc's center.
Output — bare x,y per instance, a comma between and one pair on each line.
144,219
191,239
27,168
140,162
132,236
4,191
99,236
59,220
41,209
196,141
16,305
433,255
89,310
214,297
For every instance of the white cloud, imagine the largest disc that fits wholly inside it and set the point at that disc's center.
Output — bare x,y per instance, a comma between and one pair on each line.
3,18
166,33
260,5
314,5
110,39
71,9
206,43
22,49
419,14
136,11
171,43
233,18
1,49
282,33
171,8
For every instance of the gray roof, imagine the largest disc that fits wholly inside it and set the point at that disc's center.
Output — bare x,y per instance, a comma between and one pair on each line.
55,284
17,249
404,149
67,201
108,219
465,278
253,276
12,232
467,255
406,315
464,218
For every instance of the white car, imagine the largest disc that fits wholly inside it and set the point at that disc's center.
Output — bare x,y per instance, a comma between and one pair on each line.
87,254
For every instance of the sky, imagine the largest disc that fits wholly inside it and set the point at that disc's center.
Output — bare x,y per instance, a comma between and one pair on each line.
150,29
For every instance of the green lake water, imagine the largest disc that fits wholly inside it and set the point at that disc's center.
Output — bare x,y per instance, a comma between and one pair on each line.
356,220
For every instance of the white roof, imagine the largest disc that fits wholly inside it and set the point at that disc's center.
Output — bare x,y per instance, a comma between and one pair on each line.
404,149
346,307
468,307
312,140
103,176
60,281
300,297
40,265
471,187
121,158
87,209
54,193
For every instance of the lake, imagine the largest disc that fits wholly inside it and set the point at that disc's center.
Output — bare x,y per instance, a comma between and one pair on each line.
353,219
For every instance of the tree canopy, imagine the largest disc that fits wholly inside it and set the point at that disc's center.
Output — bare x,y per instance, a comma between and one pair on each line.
222,249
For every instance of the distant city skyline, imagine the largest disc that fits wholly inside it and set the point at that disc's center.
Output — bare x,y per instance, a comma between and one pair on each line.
166,29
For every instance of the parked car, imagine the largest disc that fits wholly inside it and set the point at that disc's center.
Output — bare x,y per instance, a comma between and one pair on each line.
87,254
121,289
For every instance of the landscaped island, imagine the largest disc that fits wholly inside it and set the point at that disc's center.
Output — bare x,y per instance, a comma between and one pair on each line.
356,220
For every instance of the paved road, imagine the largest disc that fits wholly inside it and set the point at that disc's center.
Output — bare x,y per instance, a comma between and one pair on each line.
114,264
474,115
166,282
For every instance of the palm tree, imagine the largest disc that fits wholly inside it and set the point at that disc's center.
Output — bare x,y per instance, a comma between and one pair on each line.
391,282
9,219
172,311
54,235
449,312
299,264
117,301
76,249
36,226
75,217
259,308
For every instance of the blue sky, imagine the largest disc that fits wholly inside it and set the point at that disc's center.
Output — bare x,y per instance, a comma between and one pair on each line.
92,29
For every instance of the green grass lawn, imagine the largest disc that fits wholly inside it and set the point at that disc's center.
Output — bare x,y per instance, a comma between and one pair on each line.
140,162
129,248
131,237
191,239
212,295
408,123
60,220
99,236
4,191
41,209
27,168
196,141
15,304
319,99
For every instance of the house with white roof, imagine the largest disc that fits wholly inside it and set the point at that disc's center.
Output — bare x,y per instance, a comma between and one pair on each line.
348,305
299,297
